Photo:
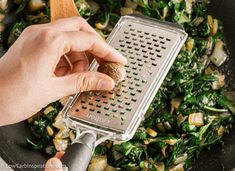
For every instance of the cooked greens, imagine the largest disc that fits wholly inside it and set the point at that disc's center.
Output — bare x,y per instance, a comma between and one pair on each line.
190,112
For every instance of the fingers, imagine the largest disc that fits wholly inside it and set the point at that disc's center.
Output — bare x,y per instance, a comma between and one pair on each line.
54,164
85,41
81,82
70,24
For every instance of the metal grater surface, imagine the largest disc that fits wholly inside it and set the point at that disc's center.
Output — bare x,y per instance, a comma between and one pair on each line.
150,47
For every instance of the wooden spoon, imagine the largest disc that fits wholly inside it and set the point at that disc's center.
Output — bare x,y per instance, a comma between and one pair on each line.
63,9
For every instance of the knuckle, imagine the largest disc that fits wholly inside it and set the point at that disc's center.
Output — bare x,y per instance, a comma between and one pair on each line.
80,19
84,83
30,29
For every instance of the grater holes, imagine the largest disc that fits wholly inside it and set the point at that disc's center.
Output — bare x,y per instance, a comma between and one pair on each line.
91,110
98,105
122,113
106,108
135,73
132,29
84,107
107,114
140,64
122,45
139,31
151,53
150,48
133,34
146,33
120,106
154,64
128,109
163,47
152,58
168,39
135,39
83,101
114,110
134,100
121,40
133,62
135,44
127,37
128,42
157,50
141,41
141,36
156,45
139,59
159,56
155,40
123,50
154,35
77,110
132,94
144,51
162,42
149,43
126,32
145,56
99,112
143,46
137,49
161,37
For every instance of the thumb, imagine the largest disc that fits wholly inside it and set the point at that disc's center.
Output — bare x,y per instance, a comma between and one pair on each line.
53,164
86,81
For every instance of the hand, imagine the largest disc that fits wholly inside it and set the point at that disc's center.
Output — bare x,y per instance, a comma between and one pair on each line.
34,74
54,164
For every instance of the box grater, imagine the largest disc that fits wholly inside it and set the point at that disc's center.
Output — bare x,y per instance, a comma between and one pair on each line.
150,47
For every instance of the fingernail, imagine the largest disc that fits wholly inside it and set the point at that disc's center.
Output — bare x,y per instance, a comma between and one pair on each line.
106,84
55,163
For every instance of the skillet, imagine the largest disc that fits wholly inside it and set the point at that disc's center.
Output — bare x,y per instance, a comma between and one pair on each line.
14,151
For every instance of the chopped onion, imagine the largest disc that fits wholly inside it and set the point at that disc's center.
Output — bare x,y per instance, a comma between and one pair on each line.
219,55
172,141
197,21
63,133
131,4
3,4
60,144
126,11
35,5
48,110
181,159
50,131
151,132
160,166
179,167
190,44
98,163
219,83
196,119
189,6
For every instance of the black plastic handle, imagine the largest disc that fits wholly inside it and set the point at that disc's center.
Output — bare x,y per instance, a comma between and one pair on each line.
78,155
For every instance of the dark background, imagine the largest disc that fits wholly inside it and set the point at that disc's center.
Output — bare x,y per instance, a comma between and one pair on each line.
12,138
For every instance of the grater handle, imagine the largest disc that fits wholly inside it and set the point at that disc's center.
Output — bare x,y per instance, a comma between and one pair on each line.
78,155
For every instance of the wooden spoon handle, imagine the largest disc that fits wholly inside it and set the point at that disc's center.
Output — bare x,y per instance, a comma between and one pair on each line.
63,9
